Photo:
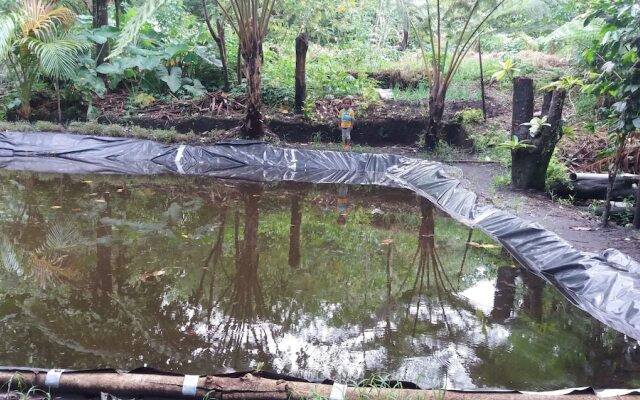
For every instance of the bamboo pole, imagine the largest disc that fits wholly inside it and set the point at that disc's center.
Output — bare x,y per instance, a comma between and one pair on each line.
482,93
247,387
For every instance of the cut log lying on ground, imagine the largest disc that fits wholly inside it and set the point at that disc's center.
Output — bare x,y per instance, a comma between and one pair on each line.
594,186
247,387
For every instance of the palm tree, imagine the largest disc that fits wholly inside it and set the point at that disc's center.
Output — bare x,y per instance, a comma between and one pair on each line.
450,28
35,40
250,19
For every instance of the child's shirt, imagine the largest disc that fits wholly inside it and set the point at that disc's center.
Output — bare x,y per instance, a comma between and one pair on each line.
346,118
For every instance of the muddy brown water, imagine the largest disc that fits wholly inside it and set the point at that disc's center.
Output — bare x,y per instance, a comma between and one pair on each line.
196,275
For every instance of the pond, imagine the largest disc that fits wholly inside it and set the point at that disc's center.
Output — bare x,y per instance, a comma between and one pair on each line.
196,275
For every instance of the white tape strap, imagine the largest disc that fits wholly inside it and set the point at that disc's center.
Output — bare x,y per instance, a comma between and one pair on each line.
179,155
53,378
190,385
338,392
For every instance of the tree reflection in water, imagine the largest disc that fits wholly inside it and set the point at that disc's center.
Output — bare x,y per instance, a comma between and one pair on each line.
190,274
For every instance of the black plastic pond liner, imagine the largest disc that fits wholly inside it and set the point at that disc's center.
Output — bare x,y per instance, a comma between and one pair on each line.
606,285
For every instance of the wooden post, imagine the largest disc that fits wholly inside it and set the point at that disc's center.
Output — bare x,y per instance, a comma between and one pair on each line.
636,216
522,106
302,45
484,105
546,103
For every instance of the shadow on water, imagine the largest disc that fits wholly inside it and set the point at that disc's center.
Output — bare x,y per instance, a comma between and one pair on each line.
196,275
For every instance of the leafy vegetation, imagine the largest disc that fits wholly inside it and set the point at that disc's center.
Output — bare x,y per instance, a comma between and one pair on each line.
176,52
615,72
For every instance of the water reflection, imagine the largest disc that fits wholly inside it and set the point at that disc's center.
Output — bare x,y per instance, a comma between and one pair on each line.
186,274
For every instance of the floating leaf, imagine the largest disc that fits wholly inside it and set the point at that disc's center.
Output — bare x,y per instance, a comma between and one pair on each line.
147,276
483,245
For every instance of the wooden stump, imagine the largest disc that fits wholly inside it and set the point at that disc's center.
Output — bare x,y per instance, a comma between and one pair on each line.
302,45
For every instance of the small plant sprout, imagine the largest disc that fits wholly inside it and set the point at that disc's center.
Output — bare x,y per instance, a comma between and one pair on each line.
514,144
507,69
259,367
535,125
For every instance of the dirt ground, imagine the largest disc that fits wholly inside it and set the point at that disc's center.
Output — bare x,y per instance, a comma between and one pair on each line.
571,223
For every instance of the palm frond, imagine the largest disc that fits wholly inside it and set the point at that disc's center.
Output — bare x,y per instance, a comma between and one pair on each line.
132,29
7,35
9,257
47,271
42,18
62,236
57,56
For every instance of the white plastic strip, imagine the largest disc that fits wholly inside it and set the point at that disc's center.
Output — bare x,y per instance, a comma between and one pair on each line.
561,392
615,392
338,391
190,385
53,378
179,155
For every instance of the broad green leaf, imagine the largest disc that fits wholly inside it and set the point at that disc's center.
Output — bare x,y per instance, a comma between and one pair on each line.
173,79
196,89
113,68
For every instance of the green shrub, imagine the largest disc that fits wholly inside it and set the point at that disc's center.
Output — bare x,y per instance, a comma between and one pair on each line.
469,116
557,173
276,96
501,181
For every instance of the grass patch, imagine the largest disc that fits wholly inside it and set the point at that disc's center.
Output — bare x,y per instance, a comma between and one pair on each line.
417,94
96,129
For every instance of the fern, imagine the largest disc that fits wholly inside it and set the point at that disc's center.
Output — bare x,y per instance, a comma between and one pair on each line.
132,29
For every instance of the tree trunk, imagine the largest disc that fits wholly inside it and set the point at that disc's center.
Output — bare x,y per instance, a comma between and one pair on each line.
404,43
104,275
404,18
218,36
59,106
613,171
239,65
118,10
434,121
532,300
25,99
505,294
253,126
529,165
294,232
302,45
636,215
222,49
101,18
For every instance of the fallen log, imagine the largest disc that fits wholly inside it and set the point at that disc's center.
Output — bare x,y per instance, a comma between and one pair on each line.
589,186
246,387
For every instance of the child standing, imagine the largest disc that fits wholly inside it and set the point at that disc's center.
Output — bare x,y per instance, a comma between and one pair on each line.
347,117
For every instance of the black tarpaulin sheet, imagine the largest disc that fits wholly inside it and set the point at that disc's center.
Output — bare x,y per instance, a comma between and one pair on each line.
606,285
